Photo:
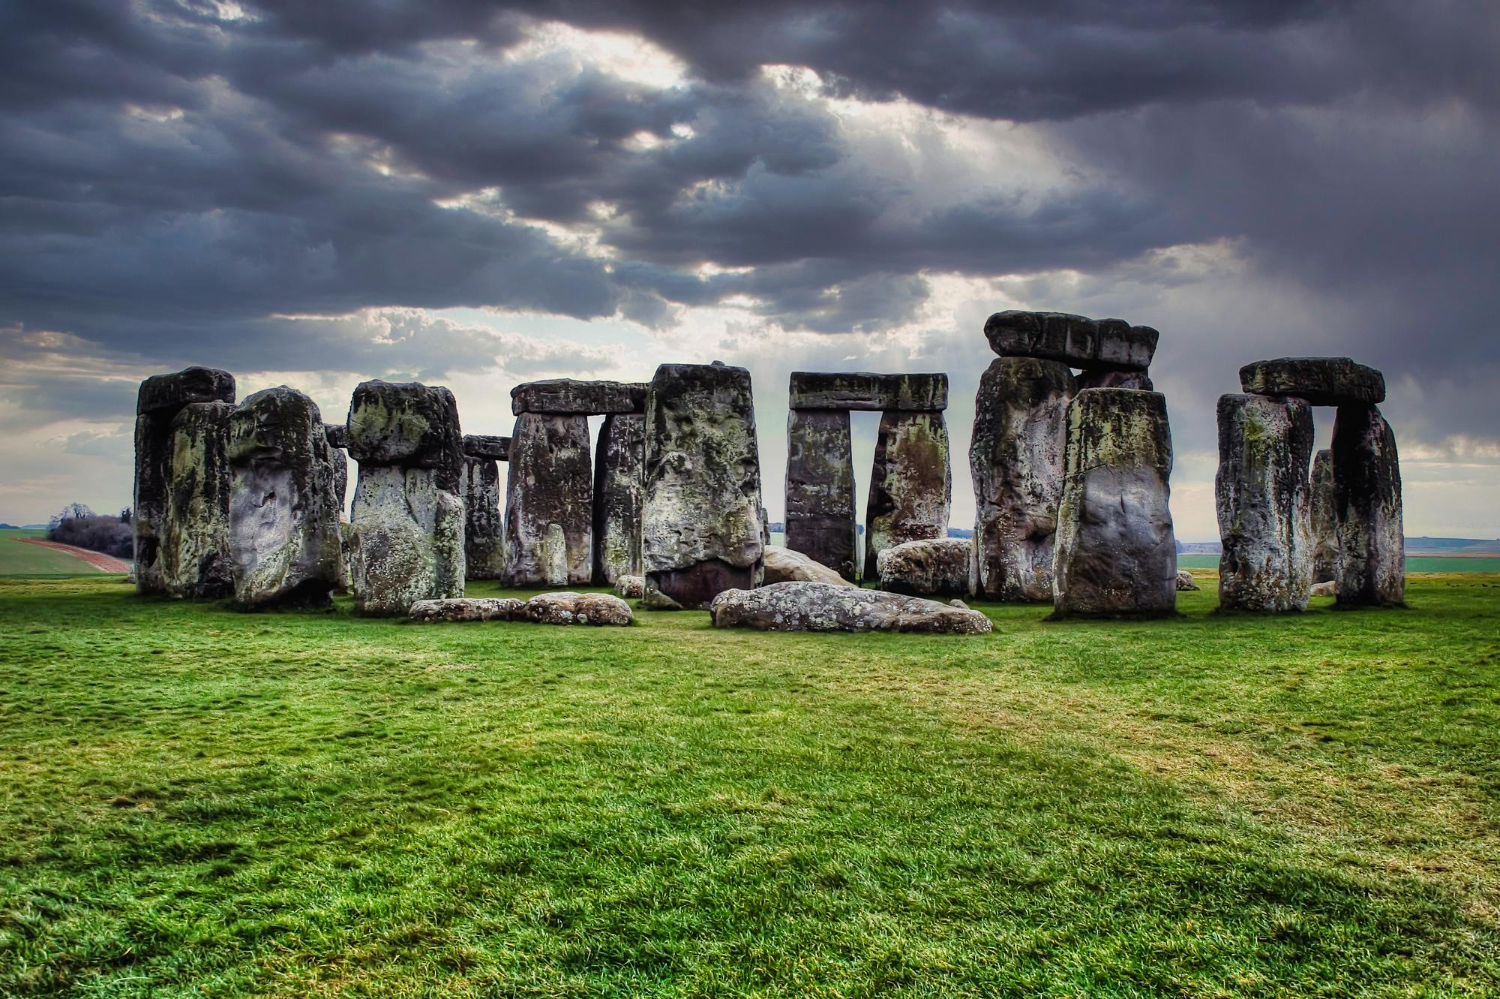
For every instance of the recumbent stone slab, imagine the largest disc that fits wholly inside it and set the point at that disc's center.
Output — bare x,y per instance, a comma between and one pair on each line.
1078,341
782,565
939,567
826,607
570,397
1322,381
820,489
865,390
549,509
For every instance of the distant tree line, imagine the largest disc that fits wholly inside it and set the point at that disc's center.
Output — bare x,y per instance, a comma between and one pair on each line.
80,526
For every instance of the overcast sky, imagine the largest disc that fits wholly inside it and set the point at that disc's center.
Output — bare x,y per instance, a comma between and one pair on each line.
319,193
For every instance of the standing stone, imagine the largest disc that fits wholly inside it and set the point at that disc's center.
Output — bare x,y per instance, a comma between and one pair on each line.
619,485
1116,554
549,508
1109,378
1324,520
1262,496
484,530
1367,505
701,523
911,484
407,536
1016,460
820,489
193,558
283,507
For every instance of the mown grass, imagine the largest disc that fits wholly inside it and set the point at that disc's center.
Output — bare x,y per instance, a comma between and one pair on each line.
1414,563
202,802
18,559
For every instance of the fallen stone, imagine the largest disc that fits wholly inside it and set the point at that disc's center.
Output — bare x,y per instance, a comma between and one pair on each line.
619,487
910,486
568,397
657,600
786,566
484,527
864,390
939,567
820,489
468,609
487,446
630,587
1185,581
1116,554
1367,505
1077,341
578,608
1322,381
1326,588
193,557
1261,493
1324,519
1107,378
805,606
549,511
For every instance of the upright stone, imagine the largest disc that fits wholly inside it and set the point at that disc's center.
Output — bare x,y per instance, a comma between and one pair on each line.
1016,460
701,523
283,503
484,529
1324,520
194,558
1367,505
407,536
549,509
619,485
820,489
1262,495
911,484
1116,554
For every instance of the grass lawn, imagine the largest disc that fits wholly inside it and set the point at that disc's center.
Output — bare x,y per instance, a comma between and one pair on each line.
202,802
17,559
1414,563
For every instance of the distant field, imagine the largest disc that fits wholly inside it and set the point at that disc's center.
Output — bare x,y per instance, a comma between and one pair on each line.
1416,563
17,559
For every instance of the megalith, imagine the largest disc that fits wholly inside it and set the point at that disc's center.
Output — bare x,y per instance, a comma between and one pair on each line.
337,437
407,534
820,489
1262,497
1324,520
619,487
701,530
1367,508
1095,345
1115,551
283,502
484,529
1320,381
911,484
549,507
194,558
1016,461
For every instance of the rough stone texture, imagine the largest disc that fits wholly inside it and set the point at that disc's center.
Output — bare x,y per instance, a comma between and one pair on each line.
160,399
820,489
1322,381
1106,378
337,435
339,485
406,539
549,509
578,608
567,397
910,487
1116,554
1326,588
630,587
1324,519
1185,581
701,523
939,567
484,528
786,566
1261,493
468,609
652,599
1367,506
619,485
864,390
283,504
826,607
193,558
1016,461
1075,340
486,446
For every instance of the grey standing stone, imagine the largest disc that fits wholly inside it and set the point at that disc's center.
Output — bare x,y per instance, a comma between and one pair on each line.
1107,378
701,522
1075,340
283,504
337,435
938,567
194,558
1322,381
619,487
1262,498
911,484
484,529
549,509
1324,519
1116,554
807,606
1016,460
1367,504
820,489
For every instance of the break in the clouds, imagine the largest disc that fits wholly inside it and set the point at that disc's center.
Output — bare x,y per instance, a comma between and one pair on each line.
476,194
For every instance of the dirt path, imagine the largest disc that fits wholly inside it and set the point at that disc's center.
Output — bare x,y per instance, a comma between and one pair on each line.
100,561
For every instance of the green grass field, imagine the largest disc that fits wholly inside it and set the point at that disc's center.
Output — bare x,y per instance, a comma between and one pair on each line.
1414,563
203,802
17,559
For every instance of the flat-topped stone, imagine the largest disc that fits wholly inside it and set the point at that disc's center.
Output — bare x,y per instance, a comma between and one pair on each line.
487,446
1078,341
337,435
195,384
1322,381
406,425
468,609
867,391
571,397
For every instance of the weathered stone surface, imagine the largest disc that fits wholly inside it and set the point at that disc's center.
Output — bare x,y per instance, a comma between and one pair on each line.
1107,378
804,606
701,523
652,599
786,566
910,487
1116,554
337,435
820,489
630,587
484,528
1016,461
1367,505
569,397
1322,381
1326,588
578,608
283,507
468,609
865,390
193,558
1262,495
486,446
167,394
549,510
1185,581
1075,340
939,567
619,488
1324,519
406,540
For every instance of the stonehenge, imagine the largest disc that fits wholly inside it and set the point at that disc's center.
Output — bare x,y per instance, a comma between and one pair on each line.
783,565
934,567
619,484
1077,341
807,606
484,530
1323,522
911,485
820,489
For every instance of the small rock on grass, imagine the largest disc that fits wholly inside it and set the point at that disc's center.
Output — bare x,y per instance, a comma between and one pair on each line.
578,608
468,609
